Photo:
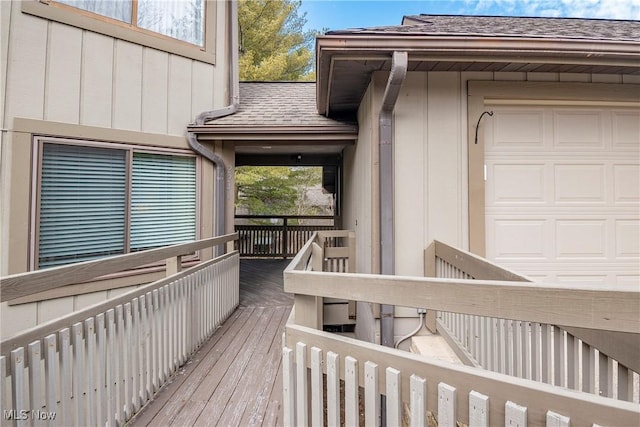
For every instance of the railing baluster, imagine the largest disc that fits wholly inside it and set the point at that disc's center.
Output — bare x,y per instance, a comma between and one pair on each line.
101,354
156,344
128,360
36,403
111,392
5,401
557,420
143,354
515,415
447,409
66,376
288,388
478,410
78,374
394,397
418,401
351,409
17,383
333,389
371,395
302,400
90,344
135,354
317,388
51,372
119,365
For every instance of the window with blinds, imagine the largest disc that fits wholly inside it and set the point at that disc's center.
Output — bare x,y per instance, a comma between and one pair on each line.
163,200
89,195
82,204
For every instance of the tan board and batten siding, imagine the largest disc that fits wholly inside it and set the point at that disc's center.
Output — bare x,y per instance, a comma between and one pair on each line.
431,164
61,80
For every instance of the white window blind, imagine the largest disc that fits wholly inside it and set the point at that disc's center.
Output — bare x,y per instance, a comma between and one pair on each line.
82,204
163,200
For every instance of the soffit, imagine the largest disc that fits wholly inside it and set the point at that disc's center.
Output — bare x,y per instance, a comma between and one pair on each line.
347,58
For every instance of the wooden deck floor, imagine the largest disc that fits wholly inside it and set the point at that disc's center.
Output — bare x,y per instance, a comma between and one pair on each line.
235,379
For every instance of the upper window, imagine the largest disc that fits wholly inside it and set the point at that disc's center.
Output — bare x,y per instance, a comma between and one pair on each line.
96,201
181,27
178,19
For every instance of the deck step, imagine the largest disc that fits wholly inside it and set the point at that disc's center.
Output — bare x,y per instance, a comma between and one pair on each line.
434,345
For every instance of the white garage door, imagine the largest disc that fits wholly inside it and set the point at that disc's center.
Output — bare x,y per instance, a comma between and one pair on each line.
563,192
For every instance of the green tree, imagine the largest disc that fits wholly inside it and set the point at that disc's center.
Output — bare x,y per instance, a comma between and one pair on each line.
273,42
276,190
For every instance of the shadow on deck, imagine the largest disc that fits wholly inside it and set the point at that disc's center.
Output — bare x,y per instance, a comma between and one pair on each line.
235,379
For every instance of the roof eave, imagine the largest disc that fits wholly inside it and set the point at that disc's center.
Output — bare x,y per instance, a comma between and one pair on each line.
471,48
272,133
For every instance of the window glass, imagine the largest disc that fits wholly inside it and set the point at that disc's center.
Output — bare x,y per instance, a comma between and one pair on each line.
163,200
115,9
180,19
82,204
96,202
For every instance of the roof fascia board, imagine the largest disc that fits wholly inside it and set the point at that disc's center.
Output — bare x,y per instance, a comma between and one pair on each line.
455,48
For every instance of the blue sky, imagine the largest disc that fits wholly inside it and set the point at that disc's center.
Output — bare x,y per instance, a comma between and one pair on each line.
342,14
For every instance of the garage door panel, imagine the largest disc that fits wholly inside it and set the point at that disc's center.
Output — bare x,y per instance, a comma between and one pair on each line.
515,183
517,129
627,234
518,239
580,239
566,208
578,128
626,129
626,183
575,183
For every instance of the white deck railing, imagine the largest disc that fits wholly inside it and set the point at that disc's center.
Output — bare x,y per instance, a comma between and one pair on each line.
100,365
531,350
417,387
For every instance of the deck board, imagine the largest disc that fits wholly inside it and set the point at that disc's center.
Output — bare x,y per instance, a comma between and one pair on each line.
235,378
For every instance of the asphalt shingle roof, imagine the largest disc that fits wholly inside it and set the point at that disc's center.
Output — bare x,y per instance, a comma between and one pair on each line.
500,26
276,104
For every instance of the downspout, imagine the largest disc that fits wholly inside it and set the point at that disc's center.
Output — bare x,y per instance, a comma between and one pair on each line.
234,95
385,123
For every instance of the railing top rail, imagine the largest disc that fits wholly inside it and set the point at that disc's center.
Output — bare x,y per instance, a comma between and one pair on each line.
286,216
607,309
23,284
299,262
37,332
475,266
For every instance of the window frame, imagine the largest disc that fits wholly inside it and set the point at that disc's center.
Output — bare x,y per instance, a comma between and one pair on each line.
65,14
38,145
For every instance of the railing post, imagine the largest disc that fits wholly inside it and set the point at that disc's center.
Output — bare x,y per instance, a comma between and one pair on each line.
174,265
285,246
430,271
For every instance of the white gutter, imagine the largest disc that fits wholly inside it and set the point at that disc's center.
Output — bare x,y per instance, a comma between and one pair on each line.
202,118
398,73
